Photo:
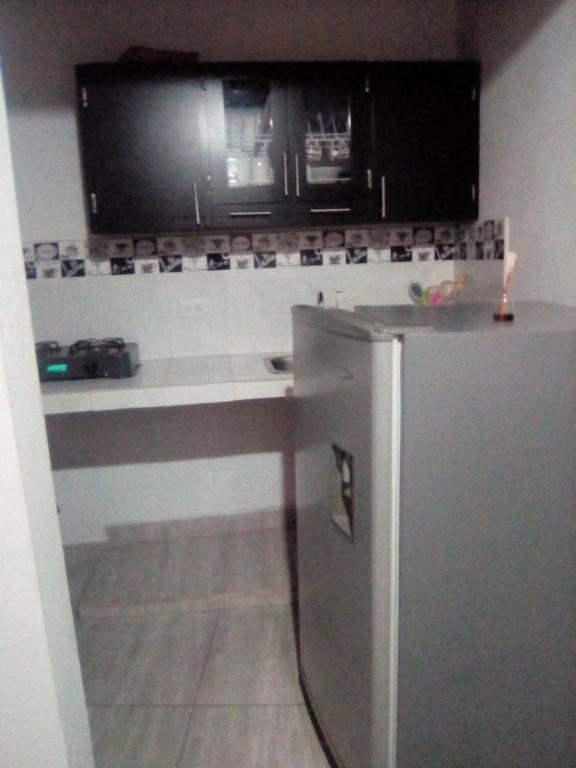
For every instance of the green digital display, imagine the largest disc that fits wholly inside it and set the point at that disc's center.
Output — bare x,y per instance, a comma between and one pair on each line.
57,367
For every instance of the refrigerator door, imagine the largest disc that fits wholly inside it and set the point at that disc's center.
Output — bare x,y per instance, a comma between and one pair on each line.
345,386
486,673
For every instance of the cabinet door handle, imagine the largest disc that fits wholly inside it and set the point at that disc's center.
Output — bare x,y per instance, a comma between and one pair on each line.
285,167
249,213
94,202
473,193
297,170
330,210
369,178
383,195
196,206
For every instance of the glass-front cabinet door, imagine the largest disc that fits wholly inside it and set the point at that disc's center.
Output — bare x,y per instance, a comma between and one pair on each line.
290,144
330,136
249,142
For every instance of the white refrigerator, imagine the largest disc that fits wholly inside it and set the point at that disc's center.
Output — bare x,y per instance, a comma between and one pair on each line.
436,496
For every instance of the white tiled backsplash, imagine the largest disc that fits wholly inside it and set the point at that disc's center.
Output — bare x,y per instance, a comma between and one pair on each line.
246,289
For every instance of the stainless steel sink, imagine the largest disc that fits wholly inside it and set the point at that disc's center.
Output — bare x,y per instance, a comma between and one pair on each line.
280,364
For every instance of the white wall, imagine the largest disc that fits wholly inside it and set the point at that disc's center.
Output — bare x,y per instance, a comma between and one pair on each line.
245,310
528,137
41,42
43,719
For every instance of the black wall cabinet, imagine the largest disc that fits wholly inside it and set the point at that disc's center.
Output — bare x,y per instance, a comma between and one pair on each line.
177,148
426,140
142,141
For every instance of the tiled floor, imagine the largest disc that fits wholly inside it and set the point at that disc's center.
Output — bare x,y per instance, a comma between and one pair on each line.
193,688
229,571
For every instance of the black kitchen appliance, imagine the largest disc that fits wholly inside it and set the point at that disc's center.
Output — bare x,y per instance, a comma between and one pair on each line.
110,358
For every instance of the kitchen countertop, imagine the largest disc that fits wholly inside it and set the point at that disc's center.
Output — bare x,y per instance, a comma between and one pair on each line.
172,381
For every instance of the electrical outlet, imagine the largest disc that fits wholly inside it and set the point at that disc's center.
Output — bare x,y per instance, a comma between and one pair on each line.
344,300
192,308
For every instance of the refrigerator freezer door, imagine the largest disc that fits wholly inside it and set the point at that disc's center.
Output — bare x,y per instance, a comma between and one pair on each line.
344,470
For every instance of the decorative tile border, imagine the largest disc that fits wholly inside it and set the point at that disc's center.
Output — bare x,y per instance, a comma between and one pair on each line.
489,240
176,254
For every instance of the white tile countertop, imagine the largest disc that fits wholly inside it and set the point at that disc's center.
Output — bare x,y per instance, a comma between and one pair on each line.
172,381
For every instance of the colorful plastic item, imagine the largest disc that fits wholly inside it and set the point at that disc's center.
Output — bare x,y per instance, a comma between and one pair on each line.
435,295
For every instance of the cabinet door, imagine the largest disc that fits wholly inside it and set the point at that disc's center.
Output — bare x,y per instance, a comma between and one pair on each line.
426,140
142,149
249,150
330,133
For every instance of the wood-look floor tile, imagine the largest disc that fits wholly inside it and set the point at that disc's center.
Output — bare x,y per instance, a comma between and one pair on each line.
74,553
252,659
149,660
79,573
252,737
138,737
260,567
237,570
210,525
155,575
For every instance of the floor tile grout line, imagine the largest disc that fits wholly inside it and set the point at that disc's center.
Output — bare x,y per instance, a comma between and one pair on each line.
96,563
102,609
275,654
139,706
108,547
177,764
207,658
251,705
257,705
86,585
127,616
